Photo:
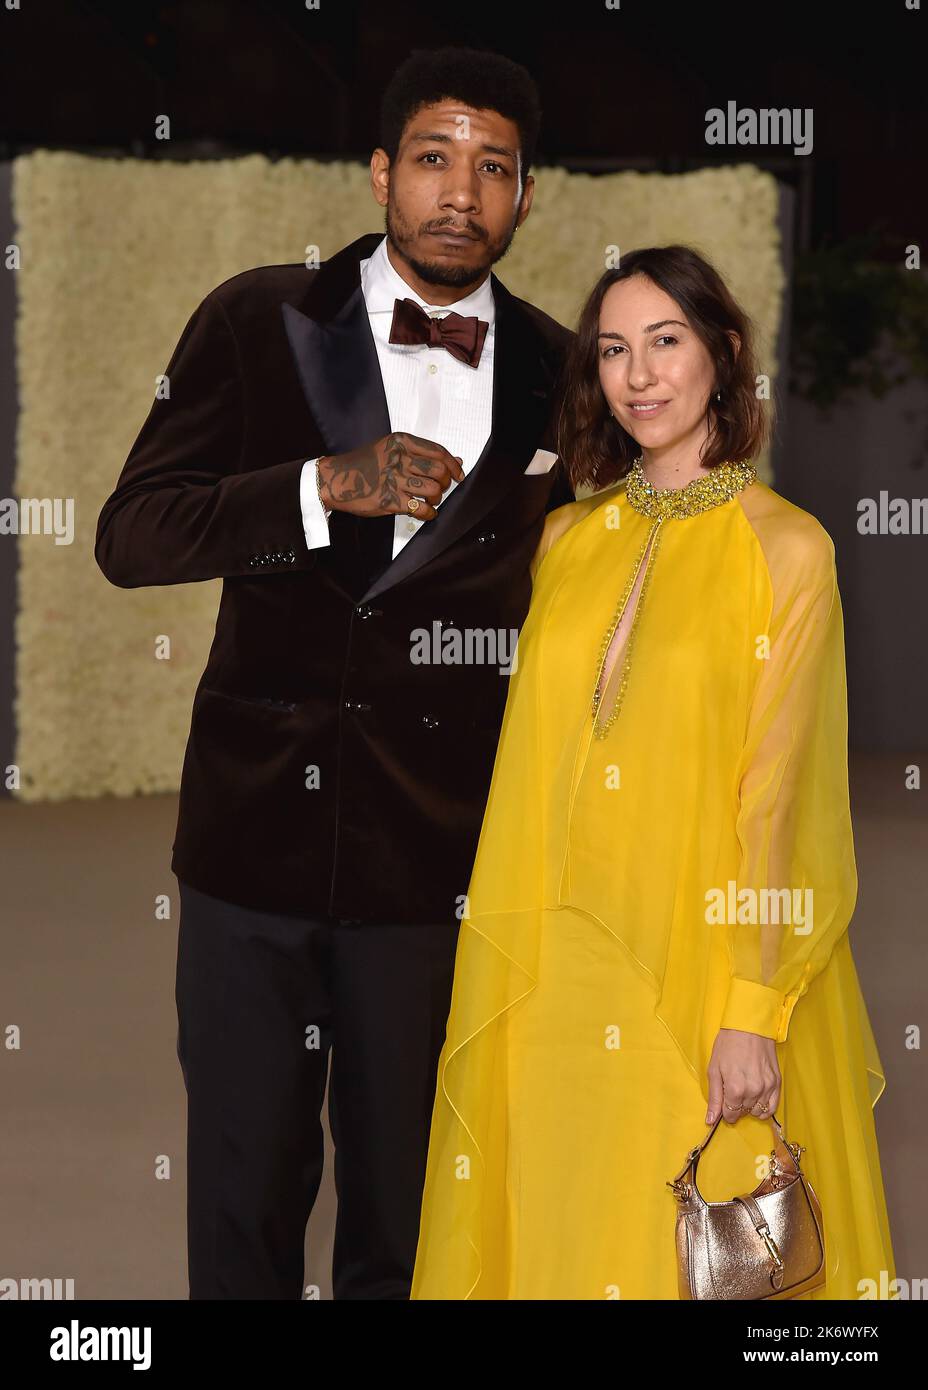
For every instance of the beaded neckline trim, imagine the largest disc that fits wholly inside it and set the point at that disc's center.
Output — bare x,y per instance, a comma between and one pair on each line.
719,485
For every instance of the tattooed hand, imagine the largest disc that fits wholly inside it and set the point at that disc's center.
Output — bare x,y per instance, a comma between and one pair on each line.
379,478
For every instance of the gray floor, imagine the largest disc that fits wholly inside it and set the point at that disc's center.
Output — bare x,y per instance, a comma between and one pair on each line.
92,1157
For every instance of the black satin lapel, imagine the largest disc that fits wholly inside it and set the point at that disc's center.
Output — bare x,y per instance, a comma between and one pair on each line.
340,374
521,402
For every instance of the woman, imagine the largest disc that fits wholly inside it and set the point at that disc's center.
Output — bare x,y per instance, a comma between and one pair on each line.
672,756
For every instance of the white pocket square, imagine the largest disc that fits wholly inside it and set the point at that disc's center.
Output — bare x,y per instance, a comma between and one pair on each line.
542,462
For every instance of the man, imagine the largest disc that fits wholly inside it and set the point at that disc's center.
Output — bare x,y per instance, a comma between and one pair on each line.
364,453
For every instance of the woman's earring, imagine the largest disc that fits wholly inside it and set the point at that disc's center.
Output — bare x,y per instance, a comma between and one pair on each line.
718,396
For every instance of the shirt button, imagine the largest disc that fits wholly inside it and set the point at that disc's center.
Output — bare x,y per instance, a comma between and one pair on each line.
432,369
410,526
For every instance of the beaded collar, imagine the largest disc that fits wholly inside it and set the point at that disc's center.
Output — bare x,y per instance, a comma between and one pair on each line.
719,485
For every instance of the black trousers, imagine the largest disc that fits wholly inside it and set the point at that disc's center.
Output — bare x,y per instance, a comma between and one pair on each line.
262,1001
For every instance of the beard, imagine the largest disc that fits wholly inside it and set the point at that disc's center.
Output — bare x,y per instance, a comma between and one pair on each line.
402,237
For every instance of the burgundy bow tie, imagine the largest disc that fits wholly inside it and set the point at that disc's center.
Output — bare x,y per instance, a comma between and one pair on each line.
463,337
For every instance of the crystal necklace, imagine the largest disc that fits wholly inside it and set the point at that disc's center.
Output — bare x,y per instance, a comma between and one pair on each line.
719,485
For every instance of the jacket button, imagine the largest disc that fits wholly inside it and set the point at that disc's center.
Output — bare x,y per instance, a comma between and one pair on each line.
487,536
363,610
355,706
430,721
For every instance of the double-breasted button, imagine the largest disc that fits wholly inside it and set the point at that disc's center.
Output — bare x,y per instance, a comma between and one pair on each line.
486,537
355,706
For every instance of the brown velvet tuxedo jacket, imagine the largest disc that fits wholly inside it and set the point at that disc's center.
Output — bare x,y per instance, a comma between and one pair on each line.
310,664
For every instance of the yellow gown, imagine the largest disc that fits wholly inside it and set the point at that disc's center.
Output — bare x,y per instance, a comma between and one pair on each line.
620,909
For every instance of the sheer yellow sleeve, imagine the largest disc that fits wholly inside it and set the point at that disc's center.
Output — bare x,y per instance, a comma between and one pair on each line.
562,519
797,884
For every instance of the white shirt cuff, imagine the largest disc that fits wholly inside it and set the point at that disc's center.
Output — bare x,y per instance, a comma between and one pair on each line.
315,516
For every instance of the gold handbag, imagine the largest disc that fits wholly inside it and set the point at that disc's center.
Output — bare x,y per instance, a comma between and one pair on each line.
766,1244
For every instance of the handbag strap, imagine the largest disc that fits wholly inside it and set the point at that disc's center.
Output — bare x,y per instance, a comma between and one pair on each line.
787,1153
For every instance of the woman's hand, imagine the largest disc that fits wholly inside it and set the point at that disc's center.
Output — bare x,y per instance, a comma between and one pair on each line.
744,1075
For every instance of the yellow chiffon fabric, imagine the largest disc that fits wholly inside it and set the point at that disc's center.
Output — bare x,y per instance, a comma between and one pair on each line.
613,922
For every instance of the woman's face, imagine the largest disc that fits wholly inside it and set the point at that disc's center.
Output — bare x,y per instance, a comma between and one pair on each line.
656,374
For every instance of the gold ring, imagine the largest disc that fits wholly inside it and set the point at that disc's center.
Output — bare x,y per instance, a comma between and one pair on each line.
413,504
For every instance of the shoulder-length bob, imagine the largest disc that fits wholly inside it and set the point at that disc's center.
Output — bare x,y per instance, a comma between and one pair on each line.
596,450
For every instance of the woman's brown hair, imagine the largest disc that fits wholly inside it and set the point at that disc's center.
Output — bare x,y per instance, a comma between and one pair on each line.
596,450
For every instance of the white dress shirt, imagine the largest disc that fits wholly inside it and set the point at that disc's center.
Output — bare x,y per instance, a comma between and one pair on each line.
429,392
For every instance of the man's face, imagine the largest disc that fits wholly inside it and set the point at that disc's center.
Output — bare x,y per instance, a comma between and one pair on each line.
453,194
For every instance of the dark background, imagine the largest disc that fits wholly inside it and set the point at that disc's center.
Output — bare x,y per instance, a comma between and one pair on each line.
624,88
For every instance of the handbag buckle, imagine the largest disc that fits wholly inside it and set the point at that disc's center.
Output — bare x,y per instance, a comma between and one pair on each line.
772,1248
